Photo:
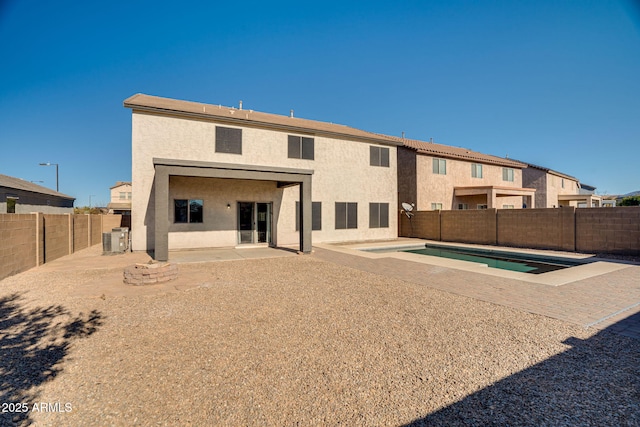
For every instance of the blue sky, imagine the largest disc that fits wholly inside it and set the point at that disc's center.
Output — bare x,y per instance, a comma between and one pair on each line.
555,83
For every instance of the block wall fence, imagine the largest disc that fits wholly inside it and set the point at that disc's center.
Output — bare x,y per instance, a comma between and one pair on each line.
588,230
30,240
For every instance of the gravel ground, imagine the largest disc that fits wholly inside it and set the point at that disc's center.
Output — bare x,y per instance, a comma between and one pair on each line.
298,341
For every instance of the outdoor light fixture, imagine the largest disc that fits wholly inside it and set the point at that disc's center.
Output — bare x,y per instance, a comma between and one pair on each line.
56,165
228,206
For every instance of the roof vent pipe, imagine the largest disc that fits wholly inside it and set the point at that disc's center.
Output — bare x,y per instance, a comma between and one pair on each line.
240,105
431,140
403,135
290,113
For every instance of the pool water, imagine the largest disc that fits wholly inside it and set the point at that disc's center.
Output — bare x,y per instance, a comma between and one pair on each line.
524,263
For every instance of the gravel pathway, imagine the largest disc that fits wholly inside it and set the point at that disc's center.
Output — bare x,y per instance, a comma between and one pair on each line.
298,341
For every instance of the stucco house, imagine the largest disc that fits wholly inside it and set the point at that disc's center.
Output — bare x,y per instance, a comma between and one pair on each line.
555,189
213,176
20,196
439,177
120,203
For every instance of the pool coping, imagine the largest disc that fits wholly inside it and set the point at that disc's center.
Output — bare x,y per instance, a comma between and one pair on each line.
596,267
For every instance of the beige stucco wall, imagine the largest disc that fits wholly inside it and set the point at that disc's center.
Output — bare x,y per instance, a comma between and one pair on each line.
115,193
341,174
437,188
548,187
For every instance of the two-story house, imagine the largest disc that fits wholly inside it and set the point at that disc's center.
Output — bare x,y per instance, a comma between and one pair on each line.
214,176
440,177
555,189
120,198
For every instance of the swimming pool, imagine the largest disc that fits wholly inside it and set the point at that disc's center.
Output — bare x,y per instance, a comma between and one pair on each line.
512,261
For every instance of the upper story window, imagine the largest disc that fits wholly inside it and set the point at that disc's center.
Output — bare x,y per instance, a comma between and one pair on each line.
440,166
436,206
562,182
228,140
507,174
476,170
463,206
379,156
300,147
123,195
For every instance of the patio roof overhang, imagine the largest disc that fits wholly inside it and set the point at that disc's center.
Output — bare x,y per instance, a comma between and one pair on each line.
494,191
586,198
284,177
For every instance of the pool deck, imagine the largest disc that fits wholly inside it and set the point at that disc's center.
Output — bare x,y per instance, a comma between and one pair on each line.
603,294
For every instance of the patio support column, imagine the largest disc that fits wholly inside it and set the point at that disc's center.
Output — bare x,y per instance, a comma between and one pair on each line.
161,182
305,215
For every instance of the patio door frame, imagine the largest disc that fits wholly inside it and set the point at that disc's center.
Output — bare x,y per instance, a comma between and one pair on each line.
251,234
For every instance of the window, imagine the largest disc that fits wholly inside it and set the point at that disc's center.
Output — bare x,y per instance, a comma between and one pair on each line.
346,215
11,204
378,215
123,196
562,181
316,216
379,156
476,170
482,206
129,195
436,206
507,174
507,206
300,147
463,206
228,140
188,211
440,166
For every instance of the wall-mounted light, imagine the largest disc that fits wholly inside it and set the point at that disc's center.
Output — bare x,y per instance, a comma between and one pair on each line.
228,206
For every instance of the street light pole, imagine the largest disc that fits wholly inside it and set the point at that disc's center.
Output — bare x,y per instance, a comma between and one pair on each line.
91,195
56,165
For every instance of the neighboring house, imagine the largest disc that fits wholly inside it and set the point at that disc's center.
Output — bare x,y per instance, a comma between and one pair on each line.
555,189
435,176
20,196
120,199
213,176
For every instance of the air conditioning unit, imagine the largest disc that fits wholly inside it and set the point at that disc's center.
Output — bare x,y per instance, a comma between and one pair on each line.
115,242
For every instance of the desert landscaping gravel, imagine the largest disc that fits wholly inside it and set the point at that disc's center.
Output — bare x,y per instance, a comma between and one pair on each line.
296,341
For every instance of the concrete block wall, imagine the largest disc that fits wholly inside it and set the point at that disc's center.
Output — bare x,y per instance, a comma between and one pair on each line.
110,222
537,228
57,236
80,232
423,225
617,229
589,230
29,240
96,229
17,243
469,226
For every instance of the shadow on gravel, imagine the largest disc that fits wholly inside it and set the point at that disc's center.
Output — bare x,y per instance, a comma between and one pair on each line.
594,383
33,343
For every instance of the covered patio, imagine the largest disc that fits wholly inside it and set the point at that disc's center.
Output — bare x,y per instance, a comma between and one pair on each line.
493,192
281,177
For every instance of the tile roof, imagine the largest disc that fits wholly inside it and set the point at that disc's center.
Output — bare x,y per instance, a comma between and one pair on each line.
440,150
551,171
120,183
142,102
21,184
